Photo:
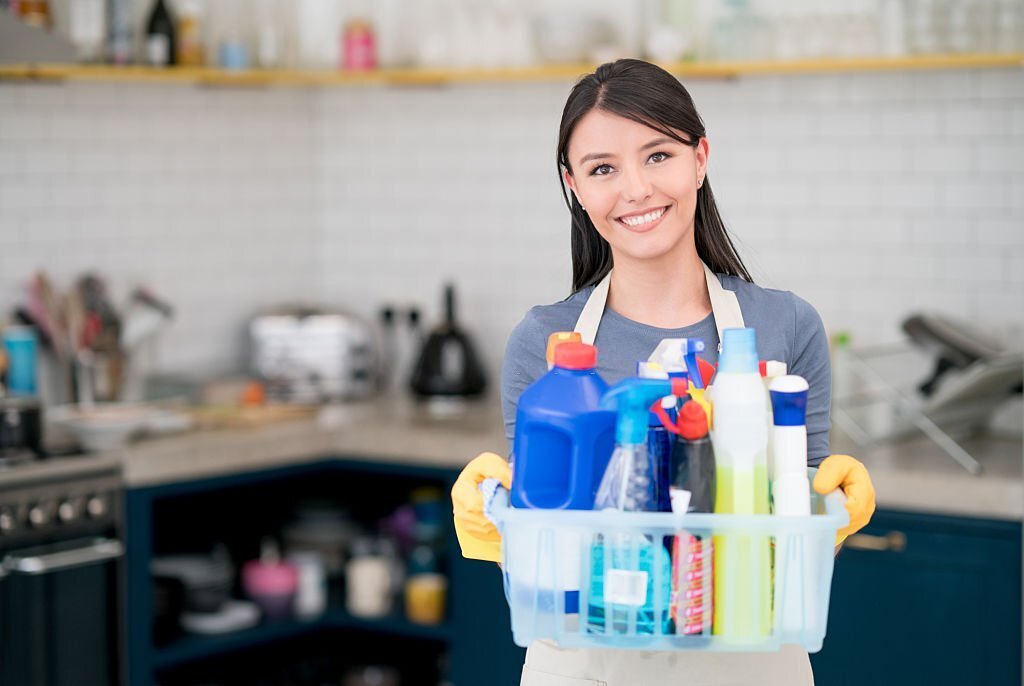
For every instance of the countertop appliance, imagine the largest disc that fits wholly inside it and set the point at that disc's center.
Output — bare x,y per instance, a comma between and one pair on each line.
61,573
448,365
307,355
21,429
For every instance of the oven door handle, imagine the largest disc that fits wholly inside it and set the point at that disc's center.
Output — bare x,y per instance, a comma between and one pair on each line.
100,550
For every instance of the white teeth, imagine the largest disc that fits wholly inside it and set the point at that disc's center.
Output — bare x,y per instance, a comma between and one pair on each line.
644,219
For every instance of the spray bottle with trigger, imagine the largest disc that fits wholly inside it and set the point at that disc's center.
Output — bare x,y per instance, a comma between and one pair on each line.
626,588
678,356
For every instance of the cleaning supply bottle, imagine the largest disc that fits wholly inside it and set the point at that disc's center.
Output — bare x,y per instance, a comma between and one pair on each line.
742,562
659,442
630,585
770,370
564,437
555,340
679,355
795,580
562,444
693,483
678,358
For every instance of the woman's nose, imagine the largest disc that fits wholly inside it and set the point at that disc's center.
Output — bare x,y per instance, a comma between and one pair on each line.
636,187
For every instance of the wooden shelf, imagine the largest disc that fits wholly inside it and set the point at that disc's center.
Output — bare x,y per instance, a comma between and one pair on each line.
435,77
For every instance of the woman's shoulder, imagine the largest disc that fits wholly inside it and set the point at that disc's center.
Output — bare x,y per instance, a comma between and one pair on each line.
541,321
558,316
770,303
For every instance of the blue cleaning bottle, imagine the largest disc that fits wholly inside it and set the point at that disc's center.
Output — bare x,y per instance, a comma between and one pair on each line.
563,441
659,442
564,437
673,358
630,580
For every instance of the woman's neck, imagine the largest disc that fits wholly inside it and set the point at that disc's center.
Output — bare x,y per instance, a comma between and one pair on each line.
668,294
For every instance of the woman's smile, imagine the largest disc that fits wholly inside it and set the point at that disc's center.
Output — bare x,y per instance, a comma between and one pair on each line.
643,221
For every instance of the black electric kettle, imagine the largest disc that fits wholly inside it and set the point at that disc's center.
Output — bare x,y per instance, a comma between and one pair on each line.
447,364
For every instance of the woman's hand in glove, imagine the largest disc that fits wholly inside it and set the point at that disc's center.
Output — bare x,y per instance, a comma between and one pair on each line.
477,535
848,474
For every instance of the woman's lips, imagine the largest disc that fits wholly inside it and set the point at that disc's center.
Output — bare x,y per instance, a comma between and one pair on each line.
643,222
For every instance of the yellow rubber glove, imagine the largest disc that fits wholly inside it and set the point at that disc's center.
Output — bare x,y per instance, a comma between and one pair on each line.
843,471
478,537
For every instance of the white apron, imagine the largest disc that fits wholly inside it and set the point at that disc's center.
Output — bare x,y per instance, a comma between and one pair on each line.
549,665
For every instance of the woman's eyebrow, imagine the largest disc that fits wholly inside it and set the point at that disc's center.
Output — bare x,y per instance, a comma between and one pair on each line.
646,146
595,156
658,141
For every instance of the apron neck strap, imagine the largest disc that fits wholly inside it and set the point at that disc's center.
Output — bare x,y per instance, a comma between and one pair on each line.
724,306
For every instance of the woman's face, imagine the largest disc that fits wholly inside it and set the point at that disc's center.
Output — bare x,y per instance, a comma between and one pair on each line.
638,185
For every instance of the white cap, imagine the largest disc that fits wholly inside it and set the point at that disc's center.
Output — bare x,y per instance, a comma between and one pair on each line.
788,383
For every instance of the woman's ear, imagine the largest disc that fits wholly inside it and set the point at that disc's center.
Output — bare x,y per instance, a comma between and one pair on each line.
571,183
701,153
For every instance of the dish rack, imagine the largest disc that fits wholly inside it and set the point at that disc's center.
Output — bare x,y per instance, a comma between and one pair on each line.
549,558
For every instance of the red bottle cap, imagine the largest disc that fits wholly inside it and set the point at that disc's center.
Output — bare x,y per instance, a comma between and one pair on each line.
692,421
575,356
707,371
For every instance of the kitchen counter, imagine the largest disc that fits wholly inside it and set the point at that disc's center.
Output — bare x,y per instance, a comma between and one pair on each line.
387,429
915,475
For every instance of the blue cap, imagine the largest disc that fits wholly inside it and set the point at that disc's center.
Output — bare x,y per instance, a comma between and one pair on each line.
789,400
739,352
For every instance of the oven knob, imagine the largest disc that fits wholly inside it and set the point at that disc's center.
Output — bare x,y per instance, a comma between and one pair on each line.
39,515
96,506
8,522
67,511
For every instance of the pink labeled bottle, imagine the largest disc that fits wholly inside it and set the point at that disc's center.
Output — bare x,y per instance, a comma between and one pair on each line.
692,490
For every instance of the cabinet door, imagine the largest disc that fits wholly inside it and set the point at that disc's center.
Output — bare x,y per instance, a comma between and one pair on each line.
938,602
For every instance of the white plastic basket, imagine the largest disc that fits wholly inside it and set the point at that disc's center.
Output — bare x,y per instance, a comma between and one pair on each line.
548,560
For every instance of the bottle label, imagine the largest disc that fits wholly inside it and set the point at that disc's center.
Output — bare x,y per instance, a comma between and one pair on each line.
690,605
158,50
623,587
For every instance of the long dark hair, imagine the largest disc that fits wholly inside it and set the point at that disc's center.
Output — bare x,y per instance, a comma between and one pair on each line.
647,94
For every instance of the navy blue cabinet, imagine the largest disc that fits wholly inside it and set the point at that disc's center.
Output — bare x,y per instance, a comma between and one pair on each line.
925,599
473,646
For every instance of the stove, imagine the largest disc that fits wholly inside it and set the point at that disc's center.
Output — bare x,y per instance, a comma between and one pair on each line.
61,575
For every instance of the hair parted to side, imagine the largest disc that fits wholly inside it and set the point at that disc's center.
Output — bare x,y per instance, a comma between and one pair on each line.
647,94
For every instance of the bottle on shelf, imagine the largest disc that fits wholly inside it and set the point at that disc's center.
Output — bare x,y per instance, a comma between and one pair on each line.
35,13
120,31
87,28
190,35
160,36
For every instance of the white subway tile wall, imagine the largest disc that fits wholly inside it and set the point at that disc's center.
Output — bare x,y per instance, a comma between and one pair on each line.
208,196
870,195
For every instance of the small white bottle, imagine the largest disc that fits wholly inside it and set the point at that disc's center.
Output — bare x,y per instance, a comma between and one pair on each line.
796,582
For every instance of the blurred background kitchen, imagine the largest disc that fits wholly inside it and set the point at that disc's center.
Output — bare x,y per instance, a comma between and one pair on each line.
259,260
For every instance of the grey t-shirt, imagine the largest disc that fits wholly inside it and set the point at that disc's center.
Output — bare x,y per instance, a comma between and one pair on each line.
788,329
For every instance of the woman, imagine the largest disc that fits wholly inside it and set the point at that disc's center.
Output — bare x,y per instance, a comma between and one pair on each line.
633,156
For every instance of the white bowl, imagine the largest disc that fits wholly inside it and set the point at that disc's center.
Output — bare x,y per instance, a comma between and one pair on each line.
106,427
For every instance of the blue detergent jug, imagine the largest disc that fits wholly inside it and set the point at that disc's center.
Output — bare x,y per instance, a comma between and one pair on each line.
563,438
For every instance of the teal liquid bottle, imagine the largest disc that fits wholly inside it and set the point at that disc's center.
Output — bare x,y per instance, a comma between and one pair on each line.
630,581
630,586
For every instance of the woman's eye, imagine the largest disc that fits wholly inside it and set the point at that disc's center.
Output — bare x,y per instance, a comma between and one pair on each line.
601,170
659,157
